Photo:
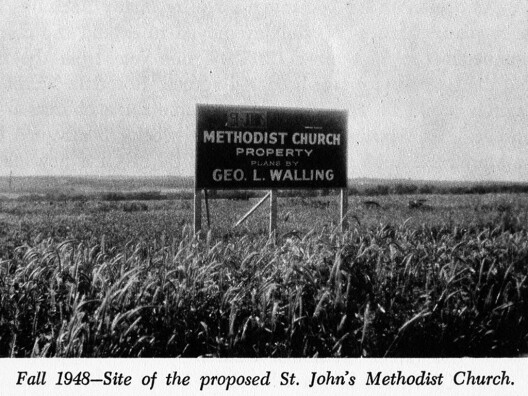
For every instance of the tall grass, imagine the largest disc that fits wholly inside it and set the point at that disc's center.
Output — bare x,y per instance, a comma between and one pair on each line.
386,291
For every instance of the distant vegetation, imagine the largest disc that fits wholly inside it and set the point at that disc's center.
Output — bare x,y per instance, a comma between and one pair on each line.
70,185
166,188
410,188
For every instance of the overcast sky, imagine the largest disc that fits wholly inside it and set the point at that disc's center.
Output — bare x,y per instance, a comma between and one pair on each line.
434,89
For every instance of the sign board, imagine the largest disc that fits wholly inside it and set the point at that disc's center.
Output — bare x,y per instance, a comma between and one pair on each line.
270,148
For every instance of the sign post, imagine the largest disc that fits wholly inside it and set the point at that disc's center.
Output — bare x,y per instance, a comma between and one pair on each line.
343,209
273,214
197,210
267,148
208,217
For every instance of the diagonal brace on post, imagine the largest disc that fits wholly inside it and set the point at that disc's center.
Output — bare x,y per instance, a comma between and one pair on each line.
252,210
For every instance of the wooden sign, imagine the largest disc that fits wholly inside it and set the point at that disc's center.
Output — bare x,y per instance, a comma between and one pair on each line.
241,147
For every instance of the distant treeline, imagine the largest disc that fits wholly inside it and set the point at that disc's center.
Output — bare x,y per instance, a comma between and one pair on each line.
178,187
409,189
71,185
366,190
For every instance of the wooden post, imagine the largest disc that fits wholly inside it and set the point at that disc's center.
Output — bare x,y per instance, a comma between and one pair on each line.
207,209
344,209
197,211
273,214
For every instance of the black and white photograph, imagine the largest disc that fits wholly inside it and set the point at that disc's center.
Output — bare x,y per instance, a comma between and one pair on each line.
264,182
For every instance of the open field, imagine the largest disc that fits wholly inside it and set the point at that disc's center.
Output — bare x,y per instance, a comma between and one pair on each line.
128,278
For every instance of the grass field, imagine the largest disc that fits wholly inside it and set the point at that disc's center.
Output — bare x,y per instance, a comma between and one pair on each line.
98,278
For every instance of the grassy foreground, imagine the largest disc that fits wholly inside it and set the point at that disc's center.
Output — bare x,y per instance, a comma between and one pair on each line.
384,290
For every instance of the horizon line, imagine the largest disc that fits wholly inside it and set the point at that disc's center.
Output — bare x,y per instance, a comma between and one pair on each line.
387,179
